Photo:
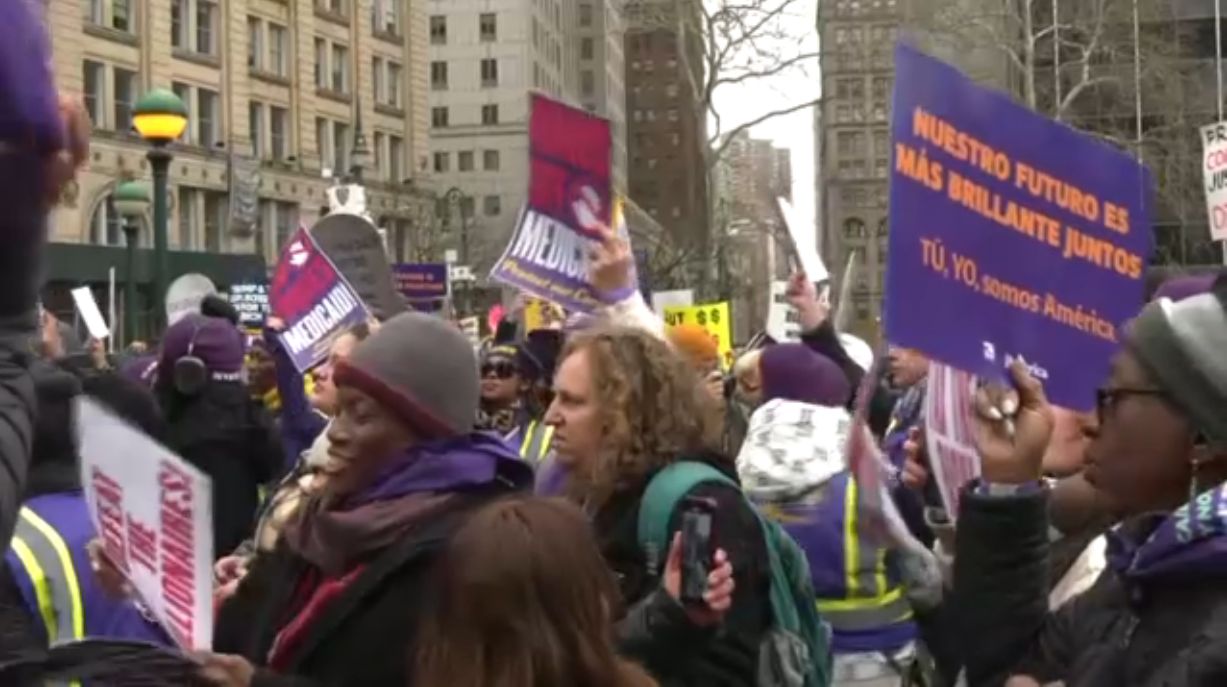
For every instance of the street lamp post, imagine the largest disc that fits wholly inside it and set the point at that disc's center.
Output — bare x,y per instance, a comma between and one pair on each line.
131,199
455,198
160,117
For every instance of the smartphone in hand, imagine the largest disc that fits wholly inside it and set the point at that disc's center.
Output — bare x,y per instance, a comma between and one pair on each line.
698,550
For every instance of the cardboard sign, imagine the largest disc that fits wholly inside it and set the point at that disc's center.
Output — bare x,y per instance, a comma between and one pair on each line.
675,298
355,248
251,301
314,300
804,253
949,432
1214,140
154,514
185,294
471,326
1011,235
714,317
88,307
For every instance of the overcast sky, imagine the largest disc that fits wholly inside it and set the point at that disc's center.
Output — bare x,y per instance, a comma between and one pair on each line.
796,131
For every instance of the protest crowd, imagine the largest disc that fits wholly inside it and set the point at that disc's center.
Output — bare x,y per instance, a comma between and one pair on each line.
597,496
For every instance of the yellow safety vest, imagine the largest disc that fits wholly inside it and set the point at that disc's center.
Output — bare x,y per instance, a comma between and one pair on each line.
536,442
870,601
47,561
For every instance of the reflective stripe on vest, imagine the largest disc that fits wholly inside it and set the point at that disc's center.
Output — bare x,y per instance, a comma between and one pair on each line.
48,564
536,444
868,601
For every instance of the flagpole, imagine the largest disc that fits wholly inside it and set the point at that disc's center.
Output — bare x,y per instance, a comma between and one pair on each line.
1218,78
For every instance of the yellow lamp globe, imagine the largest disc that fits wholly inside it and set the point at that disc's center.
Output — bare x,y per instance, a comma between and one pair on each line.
159,116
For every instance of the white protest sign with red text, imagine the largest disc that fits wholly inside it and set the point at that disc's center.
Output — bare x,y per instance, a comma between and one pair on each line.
1214,167
949,433
154,515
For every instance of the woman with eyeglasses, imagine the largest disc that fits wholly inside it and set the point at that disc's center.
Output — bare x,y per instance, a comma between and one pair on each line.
1158,614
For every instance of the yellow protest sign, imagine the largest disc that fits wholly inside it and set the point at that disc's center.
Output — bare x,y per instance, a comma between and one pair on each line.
714,317
541,314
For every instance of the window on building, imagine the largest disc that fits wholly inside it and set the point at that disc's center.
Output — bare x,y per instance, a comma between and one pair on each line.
209,117
587,82
585,14
438,30
394,83
438,117
255,43
323,142
385,17
321,63
854,228
672,114
206,27
492,206
378,79
490,160
216,213
442,162
121,15
675,140
278,49
396,158
488,27
381,159
587,49
438,75
279,132
464,161
333,6
881,87
95,92
95,12
179,24
255,124
489,114
340,147
489,72
340,69
106,224
851,88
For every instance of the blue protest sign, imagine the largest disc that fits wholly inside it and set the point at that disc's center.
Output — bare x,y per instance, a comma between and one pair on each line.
421,281
316,303
1011,234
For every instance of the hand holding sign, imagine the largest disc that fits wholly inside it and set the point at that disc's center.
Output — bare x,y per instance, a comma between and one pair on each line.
802,294
610,263
1013,457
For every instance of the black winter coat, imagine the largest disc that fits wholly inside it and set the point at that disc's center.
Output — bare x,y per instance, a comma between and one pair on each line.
656,632
231,439
366,635
1169,633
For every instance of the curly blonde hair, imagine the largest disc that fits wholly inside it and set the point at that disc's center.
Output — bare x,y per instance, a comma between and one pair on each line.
654,410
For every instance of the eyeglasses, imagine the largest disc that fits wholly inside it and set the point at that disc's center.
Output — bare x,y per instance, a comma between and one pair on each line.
498,370
1107,399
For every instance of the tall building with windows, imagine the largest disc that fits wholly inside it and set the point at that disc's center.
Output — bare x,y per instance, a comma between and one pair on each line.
857,64
599,32
666,122
271,86
486,57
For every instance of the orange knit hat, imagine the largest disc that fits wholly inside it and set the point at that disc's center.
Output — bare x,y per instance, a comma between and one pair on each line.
695,344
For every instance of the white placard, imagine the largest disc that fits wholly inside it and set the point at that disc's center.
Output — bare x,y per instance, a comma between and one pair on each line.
783,322
803,246
88,307
678,298
1214,166
471,326
154,515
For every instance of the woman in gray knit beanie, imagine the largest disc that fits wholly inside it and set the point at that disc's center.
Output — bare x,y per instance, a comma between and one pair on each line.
1158,613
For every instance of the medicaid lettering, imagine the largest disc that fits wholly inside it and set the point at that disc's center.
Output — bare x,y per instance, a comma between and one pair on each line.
321,319
551,245
913,162
178,551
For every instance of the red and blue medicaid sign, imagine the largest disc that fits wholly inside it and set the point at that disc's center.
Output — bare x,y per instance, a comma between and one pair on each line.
1011,235
316,303
569,199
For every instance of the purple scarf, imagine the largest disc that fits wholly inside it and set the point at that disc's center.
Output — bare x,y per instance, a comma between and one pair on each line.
1192,540
336,536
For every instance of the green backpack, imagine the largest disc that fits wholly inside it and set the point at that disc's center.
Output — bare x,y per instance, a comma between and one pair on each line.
796,651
